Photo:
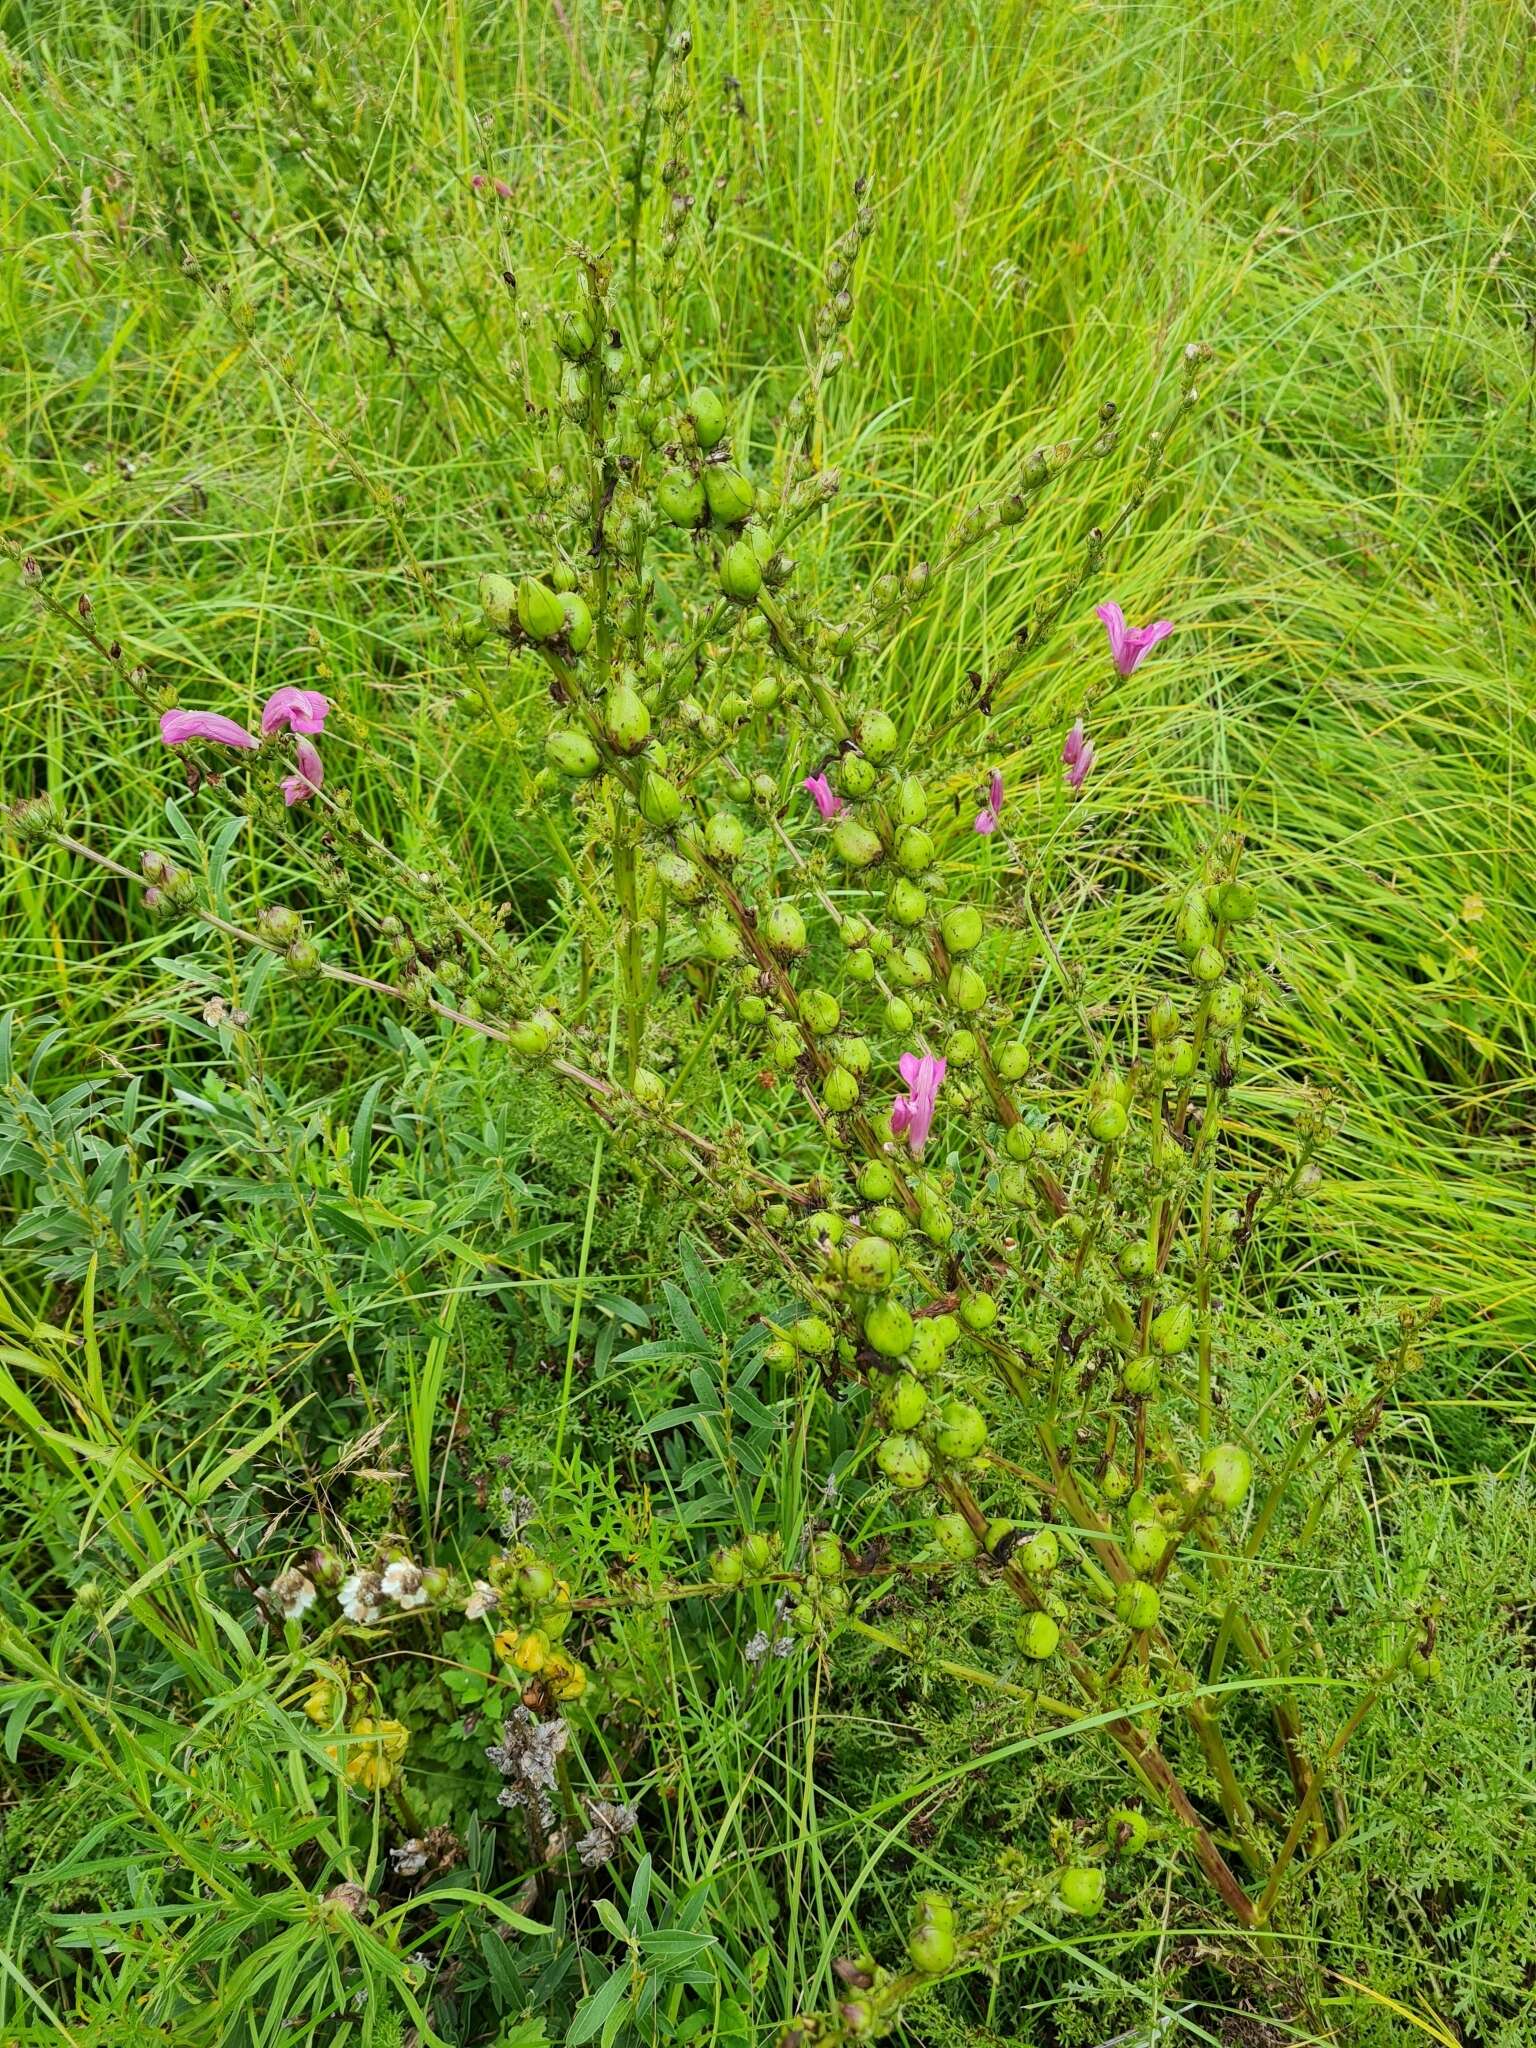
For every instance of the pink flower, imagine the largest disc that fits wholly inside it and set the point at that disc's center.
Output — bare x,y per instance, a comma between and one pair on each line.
477,182
821,795
503,190
988,818
912,1113
177,727
299,710
1127,644
1077,751
297,787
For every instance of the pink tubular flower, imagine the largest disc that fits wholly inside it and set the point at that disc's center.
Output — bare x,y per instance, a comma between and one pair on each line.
503,189
990,815
310,776
177,727
912,1113
1077,751
299,710
1127,644
821,795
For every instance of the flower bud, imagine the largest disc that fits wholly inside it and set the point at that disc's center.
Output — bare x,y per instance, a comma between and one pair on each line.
539,611
1137,1604
741,577
1037,1636
571,753
731,497
498,600
962,928
888,1328
904,1461
707,412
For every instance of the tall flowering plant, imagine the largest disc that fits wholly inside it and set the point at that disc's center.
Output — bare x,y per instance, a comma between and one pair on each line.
1013,1287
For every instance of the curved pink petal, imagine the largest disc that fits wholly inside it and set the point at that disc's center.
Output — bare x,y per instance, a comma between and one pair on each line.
1072,745
995,793
985,821
177,727
310,776
299,710
821,794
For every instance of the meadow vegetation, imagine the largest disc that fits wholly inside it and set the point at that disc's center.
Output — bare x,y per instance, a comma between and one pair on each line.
754,1291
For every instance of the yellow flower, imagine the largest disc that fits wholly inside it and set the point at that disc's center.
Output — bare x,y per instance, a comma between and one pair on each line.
531,1651
321,1702
504,1643
563,1677
379,1747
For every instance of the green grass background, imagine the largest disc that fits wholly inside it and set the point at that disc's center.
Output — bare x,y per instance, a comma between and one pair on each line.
1336,197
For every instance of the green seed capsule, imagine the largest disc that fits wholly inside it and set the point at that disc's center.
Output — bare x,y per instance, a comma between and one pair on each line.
1013,1061
931,1945
962,1430
811,1334
1016,1185
626,720
876,1181
962,928
965,989
855,845
978,1311
840,1090
955,1537
936,1223
726,1567
1173,1328
1163,1020
1224,1010
898,1016
1081,1889
1207,965
680,498
909,904
1229,1470
855,775
1234,902
872,1265
1019,1141
661,802
1126,1831
498,600
925,1354
571,753
1041,1553
539,610
725,837
575,334
757,1550
533,1037
914,850
904,1461
910,805
878,735
1107,1122
731,497
1141,1377
1148,1546
578,621
782,929
1038,1635
1138,1605
740,576
820,1012
707,411
887,1328
888,1222
720,942
961,1048
905,1401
